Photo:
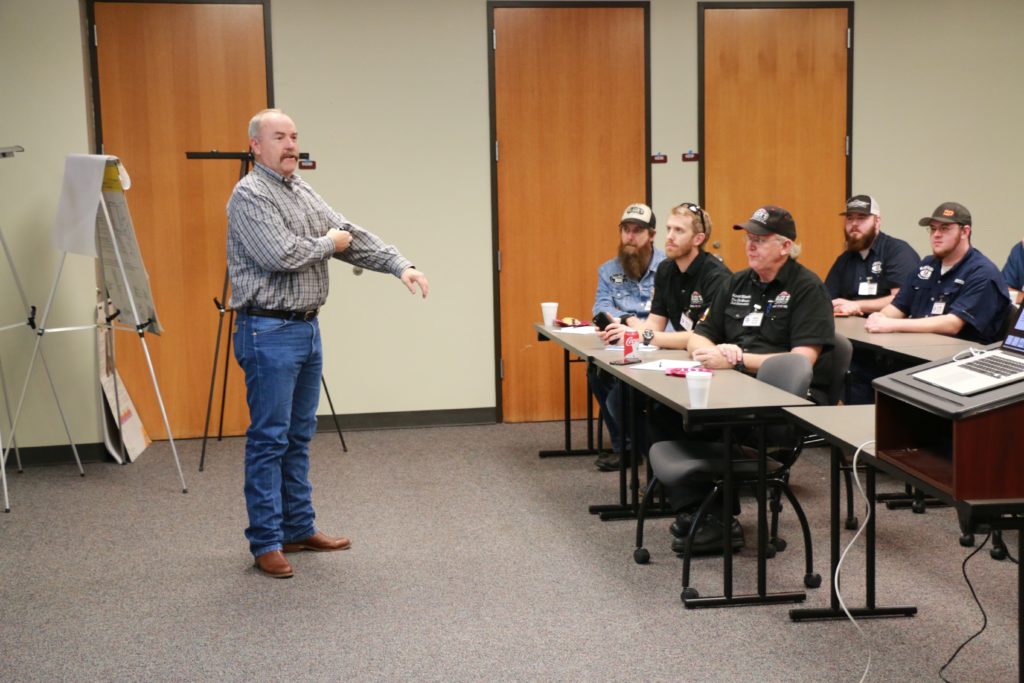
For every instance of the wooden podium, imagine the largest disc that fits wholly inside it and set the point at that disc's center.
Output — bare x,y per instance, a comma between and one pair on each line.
971,458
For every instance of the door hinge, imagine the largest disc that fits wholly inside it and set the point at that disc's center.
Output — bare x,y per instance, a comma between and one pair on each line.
495,150
494,39
849,38
95,36
501,368
847,145
499,261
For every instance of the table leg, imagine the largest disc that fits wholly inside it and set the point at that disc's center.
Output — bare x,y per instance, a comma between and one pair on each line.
870,610
567,419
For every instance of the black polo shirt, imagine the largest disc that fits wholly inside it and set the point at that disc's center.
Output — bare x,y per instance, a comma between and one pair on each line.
795,311
679,294
888,263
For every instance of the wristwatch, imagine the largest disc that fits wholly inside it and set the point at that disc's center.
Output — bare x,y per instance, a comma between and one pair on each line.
648,336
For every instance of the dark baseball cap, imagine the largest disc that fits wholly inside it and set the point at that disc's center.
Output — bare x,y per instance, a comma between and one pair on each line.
862,203
948,212
769,220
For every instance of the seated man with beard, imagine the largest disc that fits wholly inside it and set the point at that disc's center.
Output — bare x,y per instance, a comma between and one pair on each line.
625,288
863,280
870,272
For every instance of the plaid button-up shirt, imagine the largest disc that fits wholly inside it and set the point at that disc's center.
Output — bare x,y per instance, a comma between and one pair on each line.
278,248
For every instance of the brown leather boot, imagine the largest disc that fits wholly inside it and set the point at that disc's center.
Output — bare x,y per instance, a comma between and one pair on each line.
320,542
274,564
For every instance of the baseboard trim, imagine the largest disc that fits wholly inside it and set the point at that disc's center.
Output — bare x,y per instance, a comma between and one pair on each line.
37,456
409,419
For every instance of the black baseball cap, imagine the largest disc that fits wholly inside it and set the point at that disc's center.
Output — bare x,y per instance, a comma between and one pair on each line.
770,220
948,212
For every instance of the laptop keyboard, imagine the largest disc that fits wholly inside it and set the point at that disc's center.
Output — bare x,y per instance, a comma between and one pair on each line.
995,366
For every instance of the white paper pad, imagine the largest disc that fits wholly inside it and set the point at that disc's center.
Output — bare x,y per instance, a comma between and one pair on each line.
664,365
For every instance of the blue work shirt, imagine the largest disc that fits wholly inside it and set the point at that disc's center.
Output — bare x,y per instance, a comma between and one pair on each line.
886,266
617,294
972,290
1013,271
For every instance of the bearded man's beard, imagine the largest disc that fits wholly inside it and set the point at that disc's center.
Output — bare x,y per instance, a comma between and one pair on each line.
635,260
863,242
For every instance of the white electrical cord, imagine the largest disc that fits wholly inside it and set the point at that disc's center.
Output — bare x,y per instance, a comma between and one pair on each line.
971,350
839,565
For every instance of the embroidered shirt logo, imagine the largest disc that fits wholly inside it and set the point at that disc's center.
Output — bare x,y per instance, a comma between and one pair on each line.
738,299
696,300
925,272
782,300
876,267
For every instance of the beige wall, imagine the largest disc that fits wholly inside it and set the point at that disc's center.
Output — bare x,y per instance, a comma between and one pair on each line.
391,98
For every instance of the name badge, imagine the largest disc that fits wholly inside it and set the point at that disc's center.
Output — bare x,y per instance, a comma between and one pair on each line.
753,319
938,308
868,289
685,322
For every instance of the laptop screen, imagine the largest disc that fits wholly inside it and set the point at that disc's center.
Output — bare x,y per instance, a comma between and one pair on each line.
1015,339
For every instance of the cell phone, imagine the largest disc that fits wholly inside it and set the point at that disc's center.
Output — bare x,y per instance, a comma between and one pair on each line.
624,361
602,320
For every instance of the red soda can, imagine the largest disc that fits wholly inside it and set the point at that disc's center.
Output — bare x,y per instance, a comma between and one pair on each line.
631,345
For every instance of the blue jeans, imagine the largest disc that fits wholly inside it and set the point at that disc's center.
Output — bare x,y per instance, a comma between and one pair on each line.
282,361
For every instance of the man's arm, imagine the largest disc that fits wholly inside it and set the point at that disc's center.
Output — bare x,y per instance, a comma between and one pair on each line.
603,297
730,355
862,306
891,319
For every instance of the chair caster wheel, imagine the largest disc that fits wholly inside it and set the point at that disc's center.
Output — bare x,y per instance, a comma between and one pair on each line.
812,580
689,594
770,551
967,540
918,507
779,544
998,553
641,556
852,523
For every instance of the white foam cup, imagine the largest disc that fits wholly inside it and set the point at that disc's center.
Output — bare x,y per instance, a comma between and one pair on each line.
548,310
699,383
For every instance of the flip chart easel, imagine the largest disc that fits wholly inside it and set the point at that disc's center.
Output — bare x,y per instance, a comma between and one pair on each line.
93,220
29,323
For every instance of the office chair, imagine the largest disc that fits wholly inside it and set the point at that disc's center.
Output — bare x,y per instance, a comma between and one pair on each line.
673,461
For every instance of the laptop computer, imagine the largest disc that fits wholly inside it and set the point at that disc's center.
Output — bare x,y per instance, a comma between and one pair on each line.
987,370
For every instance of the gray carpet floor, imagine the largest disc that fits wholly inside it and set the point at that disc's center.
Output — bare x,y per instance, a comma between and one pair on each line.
472,560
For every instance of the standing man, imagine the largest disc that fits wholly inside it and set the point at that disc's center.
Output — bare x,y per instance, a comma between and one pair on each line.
956,290
281,235
774,306
869,273
625,286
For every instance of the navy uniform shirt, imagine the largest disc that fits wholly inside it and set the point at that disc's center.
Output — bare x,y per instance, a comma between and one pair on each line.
888,263
972,290
682,296
795,311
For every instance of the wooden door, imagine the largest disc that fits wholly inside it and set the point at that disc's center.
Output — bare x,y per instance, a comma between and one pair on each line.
571,139
774,122
174,78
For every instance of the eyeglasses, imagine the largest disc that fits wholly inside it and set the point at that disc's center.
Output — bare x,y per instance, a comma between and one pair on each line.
699,212
942,228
